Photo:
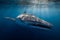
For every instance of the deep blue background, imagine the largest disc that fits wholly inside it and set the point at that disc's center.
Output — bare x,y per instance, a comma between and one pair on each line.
10,30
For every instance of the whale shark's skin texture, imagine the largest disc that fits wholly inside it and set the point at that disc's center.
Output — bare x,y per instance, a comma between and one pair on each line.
31,20
34,21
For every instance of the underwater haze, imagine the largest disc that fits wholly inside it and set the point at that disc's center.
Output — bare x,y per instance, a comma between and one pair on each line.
16,30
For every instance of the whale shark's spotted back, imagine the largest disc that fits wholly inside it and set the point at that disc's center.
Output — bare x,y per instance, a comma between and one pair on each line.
33,19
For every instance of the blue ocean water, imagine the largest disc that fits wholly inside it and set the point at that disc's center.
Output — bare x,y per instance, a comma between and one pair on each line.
10,30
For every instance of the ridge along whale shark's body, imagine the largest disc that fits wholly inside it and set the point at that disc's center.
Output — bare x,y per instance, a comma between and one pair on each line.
31,20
